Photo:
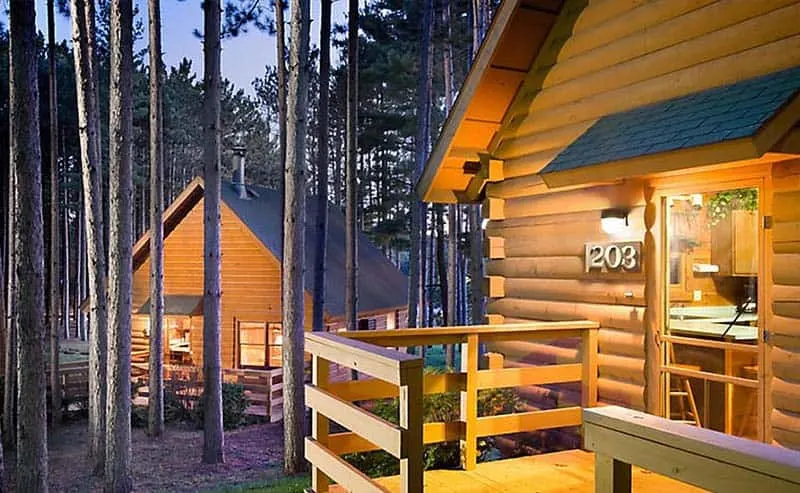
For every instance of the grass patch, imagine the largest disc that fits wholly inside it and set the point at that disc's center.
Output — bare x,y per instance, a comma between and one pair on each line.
283,484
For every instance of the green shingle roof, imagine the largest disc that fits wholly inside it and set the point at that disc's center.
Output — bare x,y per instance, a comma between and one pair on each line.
707,117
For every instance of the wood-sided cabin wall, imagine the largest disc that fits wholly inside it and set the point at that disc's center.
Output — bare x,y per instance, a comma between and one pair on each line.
606,57
250,280
602,58
783,320
536,272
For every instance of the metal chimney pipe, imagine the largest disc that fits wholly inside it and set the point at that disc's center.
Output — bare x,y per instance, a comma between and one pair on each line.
239,151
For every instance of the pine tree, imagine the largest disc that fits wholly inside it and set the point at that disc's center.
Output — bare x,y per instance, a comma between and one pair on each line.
322,165
26,157
294,239
10,370
86,81
156,365
421,145
213,438
120,266
55,231
351,177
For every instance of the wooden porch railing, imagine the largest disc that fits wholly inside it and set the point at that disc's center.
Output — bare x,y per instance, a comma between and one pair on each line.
704,458
468,381
400,371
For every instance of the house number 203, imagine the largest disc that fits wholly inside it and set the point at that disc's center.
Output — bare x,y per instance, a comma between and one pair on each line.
614,257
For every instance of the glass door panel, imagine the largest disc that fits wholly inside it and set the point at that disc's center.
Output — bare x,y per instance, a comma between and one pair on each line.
711,334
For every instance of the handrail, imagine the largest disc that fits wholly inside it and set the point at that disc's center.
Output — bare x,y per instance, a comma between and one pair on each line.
704,458
399,370
469,380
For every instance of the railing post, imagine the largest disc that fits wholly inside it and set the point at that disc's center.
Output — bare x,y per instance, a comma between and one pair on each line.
469,403
494,361
589,381
411,409
319,423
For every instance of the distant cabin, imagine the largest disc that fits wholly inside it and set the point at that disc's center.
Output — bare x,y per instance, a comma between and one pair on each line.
251,279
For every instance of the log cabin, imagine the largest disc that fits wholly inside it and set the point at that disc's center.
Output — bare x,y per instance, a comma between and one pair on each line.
637,164
251,278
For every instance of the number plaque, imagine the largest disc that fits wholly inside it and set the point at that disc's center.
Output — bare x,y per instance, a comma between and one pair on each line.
625,256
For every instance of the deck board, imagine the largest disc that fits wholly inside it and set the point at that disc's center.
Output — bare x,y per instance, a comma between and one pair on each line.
559,472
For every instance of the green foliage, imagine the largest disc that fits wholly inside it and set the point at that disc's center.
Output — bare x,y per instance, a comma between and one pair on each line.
282,484
721,204
234,405
443,407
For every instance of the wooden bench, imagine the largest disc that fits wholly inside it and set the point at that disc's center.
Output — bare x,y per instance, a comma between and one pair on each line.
704,458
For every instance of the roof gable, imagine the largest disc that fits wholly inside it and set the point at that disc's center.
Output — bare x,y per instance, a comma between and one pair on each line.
381,285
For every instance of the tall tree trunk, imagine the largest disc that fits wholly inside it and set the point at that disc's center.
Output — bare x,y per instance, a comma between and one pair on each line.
294,239
83,38
26,157
280,60
156,382
55,231
322,166
120,261
213,438
351,173
452,209
476,301
441,263
10,373
421,144
2,318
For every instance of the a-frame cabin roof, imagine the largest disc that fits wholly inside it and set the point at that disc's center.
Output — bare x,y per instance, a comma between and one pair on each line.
382,286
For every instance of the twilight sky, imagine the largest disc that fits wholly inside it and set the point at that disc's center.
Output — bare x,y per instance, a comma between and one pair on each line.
243,58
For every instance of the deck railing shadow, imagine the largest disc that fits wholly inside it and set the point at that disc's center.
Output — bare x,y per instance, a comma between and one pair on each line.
361,351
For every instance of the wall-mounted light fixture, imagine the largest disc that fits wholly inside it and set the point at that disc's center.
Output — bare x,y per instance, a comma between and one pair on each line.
614,221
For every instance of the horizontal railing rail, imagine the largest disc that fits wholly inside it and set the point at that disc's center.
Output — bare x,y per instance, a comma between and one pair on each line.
469,379
400,371
704,458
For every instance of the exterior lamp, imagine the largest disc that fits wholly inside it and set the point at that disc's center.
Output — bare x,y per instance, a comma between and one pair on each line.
614,221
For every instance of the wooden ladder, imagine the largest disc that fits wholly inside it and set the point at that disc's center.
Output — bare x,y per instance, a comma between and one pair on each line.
683,392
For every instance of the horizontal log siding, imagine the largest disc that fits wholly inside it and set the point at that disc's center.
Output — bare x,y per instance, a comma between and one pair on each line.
646,52
785,317
250,278
545,280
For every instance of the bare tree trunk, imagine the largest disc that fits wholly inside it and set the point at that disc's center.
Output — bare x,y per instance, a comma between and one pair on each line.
118,413
421,145
83,30
67,250
156,383
10,374
3,319
213,438
476,301
55,231
294,240
323,142
452,209
280,60
351,173
441,263
26,157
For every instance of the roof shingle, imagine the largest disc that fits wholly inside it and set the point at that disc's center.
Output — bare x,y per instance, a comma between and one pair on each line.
707,117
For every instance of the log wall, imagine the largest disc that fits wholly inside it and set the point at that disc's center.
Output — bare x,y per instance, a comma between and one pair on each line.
784,319
543,278
616,55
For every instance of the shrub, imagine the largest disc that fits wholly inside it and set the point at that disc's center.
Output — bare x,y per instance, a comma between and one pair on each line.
234,405
437,408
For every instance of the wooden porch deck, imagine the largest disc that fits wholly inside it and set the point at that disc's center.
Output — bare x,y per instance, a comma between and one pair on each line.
559,472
